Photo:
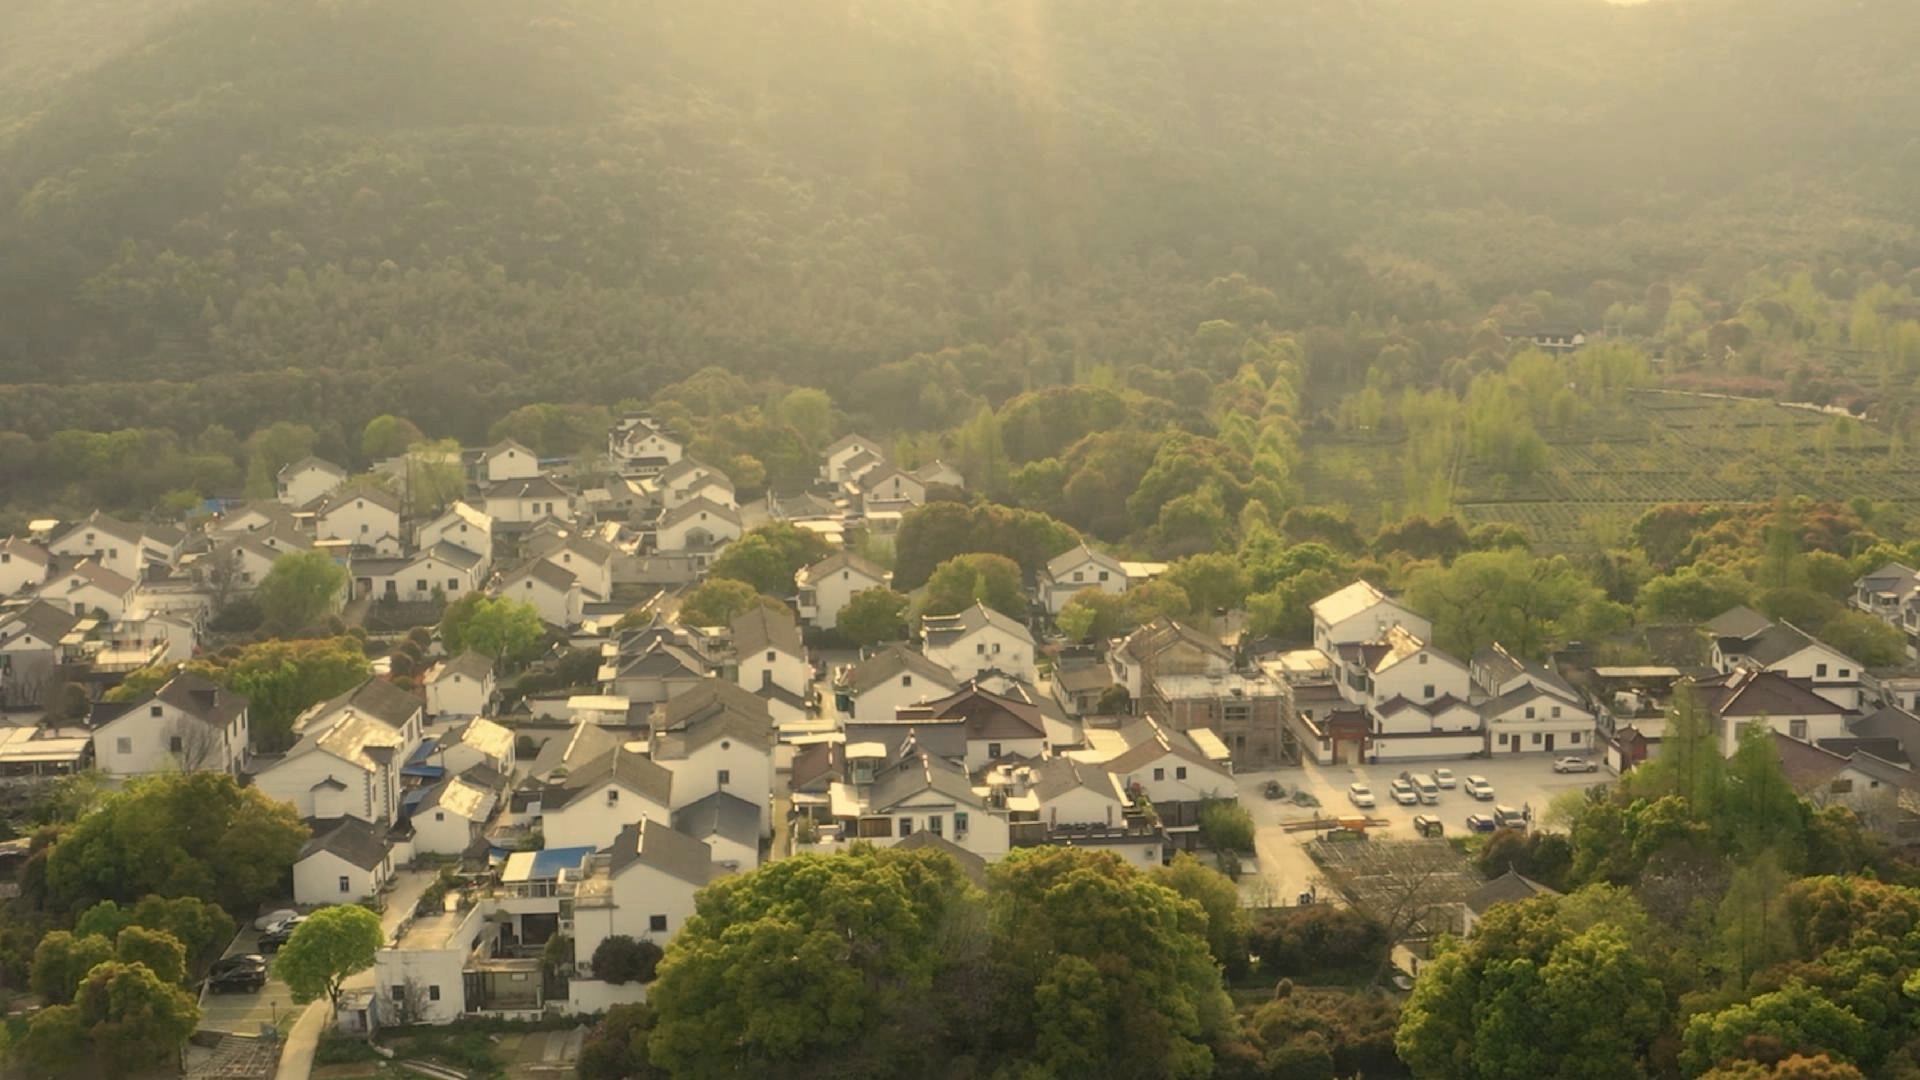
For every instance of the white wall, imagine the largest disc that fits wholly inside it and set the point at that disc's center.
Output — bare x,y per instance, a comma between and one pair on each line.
904,688
791,673
1083,806
1411,677
360,520
987,647
586,996
1198,782
831,593
1370,625
316,880
590,820
368,797
443,968
511,463
118,555
307,485
1388,748
149,730
1085,575
456,530
17,575
457,695
749,774
977,756
439,831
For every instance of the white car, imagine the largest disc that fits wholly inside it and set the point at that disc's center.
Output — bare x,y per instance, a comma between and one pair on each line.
1444,777
1360,794
1478,787
1576,764
1403,793
272,917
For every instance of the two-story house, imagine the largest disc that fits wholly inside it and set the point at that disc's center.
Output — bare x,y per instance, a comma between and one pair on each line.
976,640
1784,648
1361,612
462,526
461,686
88,588
508,460
697,527
1081,568
105,542
921,791
825,588
30,648
23,566
523,502
686,480
552,591
369,519
771,661
189,724
639,445
874,689
846,457
721,752
591,804
299,483
1789,706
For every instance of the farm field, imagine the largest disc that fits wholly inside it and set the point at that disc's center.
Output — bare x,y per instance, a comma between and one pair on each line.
1669,448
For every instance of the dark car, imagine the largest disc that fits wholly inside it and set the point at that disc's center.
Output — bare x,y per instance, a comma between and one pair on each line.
1427,825
276,935
243,962
1481,823
243,979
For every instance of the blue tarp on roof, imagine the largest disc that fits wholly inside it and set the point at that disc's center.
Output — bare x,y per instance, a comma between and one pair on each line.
417,764
424,750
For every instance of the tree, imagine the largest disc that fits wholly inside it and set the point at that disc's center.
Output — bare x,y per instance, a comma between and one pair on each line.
1152,600
1531,605
432,475
281,679
810,412
203,929
1318,938
1791,1067
63,960
873,616
387,436
616,1047
1212,581
299,589
964,580
620,959
717,602
134,1020
931,534
768,557
160,951
1219,900
1796,1017
1226,825
177,834
333,943
504,630
1867,639
1094,615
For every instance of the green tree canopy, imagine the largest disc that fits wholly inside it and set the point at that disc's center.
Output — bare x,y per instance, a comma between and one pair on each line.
873,616
124,1020
964,580
281,679
1528,604
299,589
387,436
62,960
160,951
717,602
767,557
333,943
505,630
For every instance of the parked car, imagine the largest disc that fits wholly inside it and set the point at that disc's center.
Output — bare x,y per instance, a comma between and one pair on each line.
1444,777
243,962
271,917
1360,794
277,935
1403,792
1508,817
1478,787
1480,823
247,979
1428,825
1576,764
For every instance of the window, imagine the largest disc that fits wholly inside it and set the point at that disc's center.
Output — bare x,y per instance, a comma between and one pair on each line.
993,749
906,680
1179,772
420,585
1536,738
123,745
959,823
980,649
155,710
1819,671
996,648
906,826
1103,575
1798,729
933,824
345,885
1530,712
1079,576
363,526
1556,712
657,923
1426,691
1844,673
1841,786
1423,658
453,583
769,656
398,991
1159,774
433,992
726,777
439,815
1503,738
613,796
1573,737
173,744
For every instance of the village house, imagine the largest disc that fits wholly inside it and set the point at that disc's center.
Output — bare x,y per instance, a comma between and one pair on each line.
919,791
368,519
1081,568
1785,649
524,502
638,445
825,588
729,825
104,541
1509,888
1399,665
586,558
461,525
257,516
190,724
90,588
239,563
977,640
698,527
846,456
1179,772
939,472
461,686
508,460
1884,592
722,752
474,744
874,689
444,572
1073,792
553,592
301,482
451,815
1164,647
644,888
1749,695
687,480
30,648
1246,710
771,661
592,802
23,565
885,488
1361,612
346,860
993,727
660,670
347,765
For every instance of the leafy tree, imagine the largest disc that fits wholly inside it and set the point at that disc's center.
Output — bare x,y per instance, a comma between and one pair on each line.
1791,1067
873,616
160,951
616,1047
931,534
1796,1017
203,929
1226,825
281,679
1693,594
1211,581
1865,638
299,589
330,945
1094,615
1152,600
63,960
808,411
141,683
505,630
387,436
768,557
133,1019
194,834
1528,604
962,581
717,602
55,1041
620,959
1317,938
1219,900
1424,538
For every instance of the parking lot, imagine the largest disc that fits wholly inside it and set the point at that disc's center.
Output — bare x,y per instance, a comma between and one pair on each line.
1285,870
243,1013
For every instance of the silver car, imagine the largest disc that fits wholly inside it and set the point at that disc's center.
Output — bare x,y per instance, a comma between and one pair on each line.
1360,795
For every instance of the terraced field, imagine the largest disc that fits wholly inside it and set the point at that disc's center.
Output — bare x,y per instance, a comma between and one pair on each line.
1670,448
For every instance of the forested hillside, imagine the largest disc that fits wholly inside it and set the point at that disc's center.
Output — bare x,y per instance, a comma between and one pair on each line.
265,209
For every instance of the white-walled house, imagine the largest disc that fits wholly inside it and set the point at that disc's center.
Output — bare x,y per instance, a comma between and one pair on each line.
1169,768
995,727
23,566
103,541
523,502
1530,717
592,803
652,873
639,445
771,661
1789,706
686,480
588,560
976,640
475,743
190,724
877,687
299,483
939,472
1401,665
30,648
461,525
840,455
697,525
444,571
920,791
1081,568
555,593
462,686
722,752
346,860
368,518
1076,793
729,825
884,487
348,766
825,587
1361,612
450,816
508,460
1787,650
88,588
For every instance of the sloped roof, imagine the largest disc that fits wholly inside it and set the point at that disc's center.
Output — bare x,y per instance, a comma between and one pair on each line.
1892,722
1807,766
1509,888
763,627
311,462
659,846
505,445
26,550
708,698
348,838
846,442
1148,741
1057,776
988,715
383,499
838,561
1520,695
376,697
1894,577
533,487
1062,564
880,474
44,621
1761,693
1345,603
897,660
452,554
202,699
469,664
546,573
918,772
942,630
688,468
1770,646
693,508
720,814
482,734
1740,621
676,744
1163,633
108,524
630,768
661,659
459,796
92,573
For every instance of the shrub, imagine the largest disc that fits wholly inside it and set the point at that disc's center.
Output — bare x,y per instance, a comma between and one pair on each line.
1317,938
621,959
1226,826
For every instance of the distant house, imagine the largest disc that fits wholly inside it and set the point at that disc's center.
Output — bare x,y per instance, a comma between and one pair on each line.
592,803
553,592
1784,648
884,487
1509,888
523,502
996,727
303,481
585,558
661,669
1883,592
30,647
1081,568
462,526
462,686
1165,647
23,565
90,587
1789,706
442,572
842,458
919,791
875,688
640,446
368,518
508,460
347,860
686,480
189,724
771,661
1549,339
977,640
477,743
105,542
347,766
1072,792
722,752
1361,612
1175,772
729,825
939,472
825,588
653,872
451,815
698,527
